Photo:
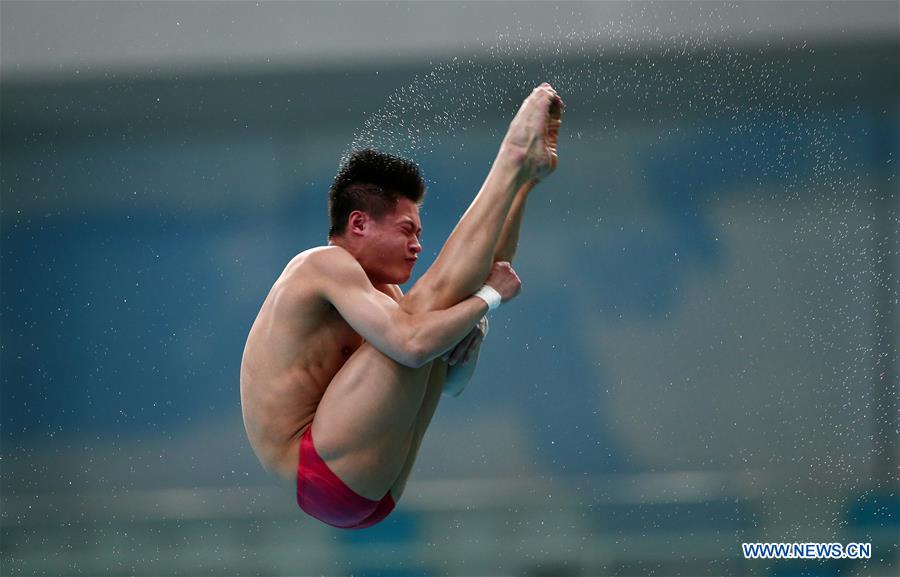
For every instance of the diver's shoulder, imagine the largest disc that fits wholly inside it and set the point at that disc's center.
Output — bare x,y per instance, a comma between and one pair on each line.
324,257
322,261
317,256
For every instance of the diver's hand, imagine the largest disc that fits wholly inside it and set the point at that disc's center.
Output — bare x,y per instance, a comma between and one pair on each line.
504,280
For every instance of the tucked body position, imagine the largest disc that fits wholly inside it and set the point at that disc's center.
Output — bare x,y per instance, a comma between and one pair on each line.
341,371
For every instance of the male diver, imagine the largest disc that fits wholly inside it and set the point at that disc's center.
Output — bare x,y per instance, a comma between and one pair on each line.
341,371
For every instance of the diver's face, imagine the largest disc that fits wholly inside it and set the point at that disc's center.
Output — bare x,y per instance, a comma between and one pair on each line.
393,244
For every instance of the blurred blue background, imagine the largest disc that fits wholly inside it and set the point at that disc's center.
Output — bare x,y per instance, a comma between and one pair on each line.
704,352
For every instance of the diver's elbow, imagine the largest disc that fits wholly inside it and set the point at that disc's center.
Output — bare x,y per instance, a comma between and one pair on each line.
416,356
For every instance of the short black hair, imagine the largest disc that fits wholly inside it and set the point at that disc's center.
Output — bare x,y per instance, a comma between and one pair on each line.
371,181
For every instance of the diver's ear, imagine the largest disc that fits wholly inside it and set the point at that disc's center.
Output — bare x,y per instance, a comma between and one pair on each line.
358,223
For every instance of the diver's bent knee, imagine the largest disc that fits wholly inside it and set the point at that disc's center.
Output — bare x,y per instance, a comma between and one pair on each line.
432,295
418,300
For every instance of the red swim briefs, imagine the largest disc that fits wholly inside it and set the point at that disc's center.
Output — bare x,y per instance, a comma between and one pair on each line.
321,494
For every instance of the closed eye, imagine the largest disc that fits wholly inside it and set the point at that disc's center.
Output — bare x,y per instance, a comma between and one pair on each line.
408,229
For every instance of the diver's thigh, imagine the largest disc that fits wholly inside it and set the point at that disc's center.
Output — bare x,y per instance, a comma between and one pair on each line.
433,395
365,422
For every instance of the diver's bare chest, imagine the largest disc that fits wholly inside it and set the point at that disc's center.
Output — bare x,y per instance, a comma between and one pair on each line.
333,353
347,347
343,340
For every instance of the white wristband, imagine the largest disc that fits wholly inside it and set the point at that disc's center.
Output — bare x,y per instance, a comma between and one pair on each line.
489,295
